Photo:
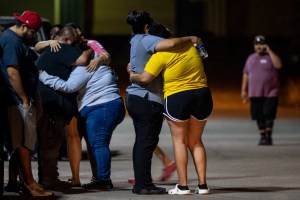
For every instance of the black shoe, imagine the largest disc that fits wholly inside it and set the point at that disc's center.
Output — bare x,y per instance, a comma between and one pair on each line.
269,140
13,187
263,140
103,184
93,179
149,190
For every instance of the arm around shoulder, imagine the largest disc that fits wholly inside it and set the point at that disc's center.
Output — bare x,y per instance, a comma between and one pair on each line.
54,45
77,79
85,58
175,43
142,78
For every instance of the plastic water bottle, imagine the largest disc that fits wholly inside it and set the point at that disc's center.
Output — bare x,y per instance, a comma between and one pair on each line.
96,46
202,51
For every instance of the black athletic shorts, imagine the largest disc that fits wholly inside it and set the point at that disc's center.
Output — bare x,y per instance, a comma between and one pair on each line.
263,107
182,105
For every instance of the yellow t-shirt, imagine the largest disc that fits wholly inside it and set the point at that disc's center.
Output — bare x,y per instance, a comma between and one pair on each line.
181,69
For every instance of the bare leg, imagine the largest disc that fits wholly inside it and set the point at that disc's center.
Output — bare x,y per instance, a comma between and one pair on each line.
166,160
169,165
24,160
179,131
74,150
197,148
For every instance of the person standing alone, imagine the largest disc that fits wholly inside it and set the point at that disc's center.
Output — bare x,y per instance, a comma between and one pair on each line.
260,83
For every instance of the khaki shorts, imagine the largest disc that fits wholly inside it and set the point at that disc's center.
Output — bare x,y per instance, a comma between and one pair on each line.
22,126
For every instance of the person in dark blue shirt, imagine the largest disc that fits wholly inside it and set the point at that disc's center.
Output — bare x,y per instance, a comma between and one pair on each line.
20,78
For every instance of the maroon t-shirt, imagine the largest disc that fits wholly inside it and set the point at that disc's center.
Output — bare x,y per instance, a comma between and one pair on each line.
263,76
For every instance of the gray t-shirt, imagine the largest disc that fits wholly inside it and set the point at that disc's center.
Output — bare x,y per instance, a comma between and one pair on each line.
142,47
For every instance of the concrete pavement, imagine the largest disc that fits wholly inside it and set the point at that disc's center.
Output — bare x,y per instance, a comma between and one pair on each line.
237,167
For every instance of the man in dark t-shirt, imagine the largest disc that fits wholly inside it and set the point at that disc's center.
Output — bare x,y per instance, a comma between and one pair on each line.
19,76
58,107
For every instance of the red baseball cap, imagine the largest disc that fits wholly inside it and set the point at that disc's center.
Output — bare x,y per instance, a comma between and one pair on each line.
30,18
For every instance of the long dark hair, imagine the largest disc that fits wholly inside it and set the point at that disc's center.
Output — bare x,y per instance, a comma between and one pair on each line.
138,20
160,30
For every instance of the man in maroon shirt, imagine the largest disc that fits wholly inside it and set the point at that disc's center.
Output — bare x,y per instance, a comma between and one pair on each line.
260,83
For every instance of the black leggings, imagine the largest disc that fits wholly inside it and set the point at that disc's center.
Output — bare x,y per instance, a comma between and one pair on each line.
265,123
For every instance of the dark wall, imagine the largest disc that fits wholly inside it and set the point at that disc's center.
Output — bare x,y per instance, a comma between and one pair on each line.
190,17
269,17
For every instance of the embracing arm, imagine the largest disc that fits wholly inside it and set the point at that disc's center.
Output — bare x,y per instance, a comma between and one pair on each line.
85,58
77,79
54,45
103,55
175,43
104,58
142,78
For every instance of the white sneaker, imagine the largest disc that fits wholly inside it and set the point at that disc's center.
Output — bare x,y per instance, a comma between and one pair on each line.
204,190
36,189
176,190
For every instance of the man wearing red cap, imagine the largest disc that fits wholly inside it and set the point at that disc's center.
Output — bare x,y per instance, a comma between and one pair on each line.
20,77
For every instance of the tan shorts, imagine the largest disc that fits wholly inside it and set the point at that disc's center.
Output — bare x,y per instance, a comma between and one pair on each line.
22,126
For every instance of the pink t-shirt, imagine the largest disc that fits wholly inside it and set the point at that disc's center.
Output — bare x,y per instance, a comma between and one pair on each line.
263,77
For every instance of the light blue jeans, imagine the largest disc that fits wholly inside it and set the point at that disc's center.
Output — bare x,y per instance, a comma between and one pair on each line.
101,120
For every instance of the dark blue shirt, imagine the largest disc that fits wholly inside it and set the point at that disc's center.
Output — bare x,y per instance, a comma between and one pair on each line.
13,51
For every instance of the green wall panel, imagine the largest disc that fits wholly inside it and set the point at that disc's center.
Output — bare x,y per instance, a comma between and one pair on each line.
110,16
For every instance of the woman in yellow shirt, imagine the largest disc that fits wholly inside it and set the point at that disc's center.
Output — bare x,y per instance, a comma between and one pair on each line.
187,105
